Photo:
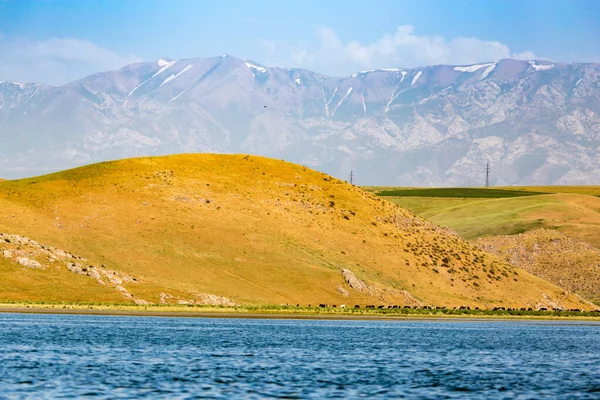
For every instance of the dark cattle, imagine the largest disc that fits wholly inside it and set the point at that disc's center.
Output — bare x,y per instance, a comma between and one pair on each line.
406,306
334,305
394,306
523,309
543,309
356,306
381,307
477,308
322,305
370,307
415,307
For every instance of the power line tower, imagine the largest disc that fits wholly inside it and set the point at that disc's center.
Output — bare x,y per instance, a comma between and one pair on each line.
487,175
351,176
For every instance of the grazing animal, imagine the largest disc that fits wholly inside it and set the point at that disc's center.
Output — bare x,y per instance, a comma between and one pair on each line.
381,307
322,305
357,306
342,306
370,307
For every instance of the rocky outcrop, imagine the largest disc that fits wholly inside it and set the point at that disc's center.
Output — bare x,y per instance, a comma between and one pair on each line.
201,299
31,254
383,294
28,262
354,282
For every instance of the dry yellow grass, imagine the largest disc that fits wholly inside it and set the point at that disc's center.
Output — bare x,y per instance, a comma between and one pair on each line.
255,230
553,256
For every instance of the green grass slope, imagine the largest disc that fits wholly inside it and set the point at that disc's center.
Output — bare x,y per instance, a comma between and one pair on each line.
463,193
251,230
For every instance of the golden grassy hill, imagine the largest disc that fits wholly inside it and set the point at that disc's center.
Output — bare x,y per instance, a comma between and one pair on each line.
249,229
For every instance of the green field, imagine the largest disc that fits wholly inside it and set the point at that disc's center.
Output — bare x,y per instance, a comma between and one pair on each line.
481,212
570,260
463,193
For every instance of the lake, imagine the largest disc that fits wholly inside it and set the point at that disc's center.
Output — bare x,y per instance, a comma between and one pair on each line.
158,357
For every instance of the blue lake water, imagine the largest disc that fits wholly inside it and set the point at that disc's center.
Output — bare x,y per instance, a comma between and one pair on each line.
126,357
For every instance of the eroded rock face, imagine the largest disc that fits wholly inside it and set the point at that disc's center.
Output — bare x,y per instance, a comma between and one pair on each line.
343,291
353,281
201,299
382,294
31,254
28,262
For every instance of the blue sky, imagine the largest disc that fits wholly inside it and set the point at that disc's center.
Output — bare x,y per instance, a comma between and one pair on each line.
57,41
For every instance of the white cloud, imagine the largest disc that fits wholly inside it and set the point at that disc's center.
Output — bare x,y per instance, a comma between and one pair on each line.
55,61
330,55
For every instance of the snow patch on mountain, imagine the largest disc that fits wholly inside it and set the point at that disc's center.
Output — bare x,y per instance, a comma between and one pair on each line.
416,78
256,67
541,67
173,76
487,71
341,101
163,64
471,68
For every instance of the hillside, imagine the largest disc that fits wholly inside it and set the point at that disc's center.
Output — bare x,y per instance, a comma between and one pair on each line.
224,229
553,256
554,236
535,122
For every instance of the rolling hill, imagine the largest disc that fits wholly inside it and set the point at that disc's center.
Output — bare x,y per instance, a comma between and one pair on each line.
555,235
238,229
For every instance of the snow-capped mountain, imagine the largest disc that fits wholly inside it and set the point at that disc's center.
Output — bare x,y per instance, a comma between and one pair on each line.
535,122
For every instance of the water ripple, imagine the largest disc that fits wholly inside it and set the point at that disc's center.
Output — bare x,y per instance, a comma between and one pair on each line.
125,357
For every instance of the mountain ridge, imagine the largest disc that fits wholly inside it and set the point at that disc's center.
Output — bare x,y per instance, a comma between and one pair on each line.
534,121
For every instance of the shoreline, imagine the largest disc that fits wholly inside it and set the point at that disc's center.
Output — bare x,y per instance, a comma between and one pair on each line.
293,314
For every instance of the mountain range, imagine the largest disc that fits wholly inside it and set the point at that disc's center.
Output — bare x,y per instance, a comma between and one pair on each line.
534,122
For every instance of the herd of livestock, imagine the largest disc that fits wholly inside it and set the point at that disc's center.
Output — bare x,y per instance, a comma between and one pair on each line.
465,308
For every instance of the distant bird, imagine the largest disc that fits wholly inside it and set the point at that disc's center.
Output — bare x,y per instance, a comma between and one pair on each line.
265,106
